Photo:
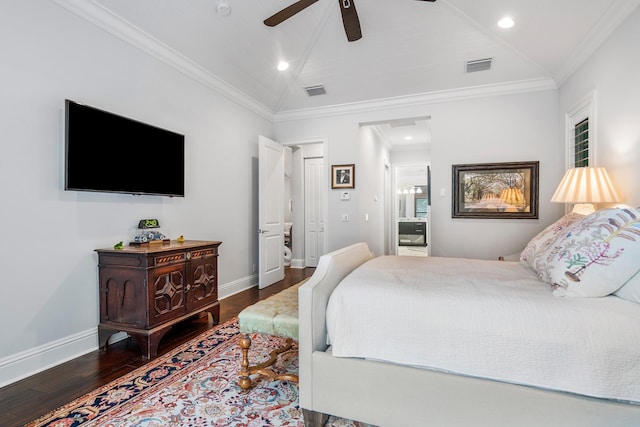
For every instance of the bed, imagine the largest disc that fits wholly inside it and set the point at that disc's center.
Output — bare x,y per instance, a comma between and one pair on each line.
404,341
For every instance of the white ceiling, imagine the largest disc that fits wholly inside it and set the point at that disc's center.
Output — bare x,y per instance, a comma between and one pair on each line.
408,47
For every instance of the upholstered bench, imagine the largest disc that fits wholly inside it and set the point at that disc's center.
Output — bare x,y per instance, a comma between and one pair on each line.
276,315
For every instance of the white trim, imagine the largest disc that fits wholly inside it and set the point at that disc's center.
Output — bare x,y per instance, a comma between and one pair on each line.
585,108
100,16
103,18
34,360
231,288
297,263
606,25
38,359
420,99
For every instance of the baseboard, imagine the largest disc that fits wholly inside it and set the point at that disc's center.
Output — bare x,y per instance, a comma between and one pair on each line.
231,288
35,360
30,362
297,263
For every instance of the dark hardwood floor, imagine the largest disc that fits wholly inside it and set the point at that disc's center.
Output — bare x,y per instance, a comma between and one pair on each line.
39,394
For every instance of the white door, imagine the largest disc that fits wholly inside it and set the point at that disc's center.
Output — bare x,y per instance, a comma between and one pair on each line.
314,223
270,212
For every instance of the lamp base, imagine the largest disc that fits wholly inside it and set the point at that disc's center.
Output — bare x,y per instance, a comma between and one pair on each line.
584,208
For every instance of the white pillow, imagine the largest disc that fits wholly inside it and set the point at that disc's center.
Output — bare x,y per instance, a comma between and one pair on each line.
630,290
543,240
597,256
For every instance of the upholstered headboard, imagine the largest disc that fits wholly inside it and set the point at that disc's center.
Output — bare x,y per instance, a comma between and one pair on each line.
313,297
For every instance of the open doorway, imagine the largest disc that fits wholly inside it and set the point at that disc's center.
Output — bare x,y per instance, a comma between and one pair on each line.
305,203
406,145
412,213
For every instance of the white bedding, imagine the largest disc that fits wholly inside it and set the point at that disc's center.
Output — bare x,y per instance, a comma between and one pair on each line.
489,319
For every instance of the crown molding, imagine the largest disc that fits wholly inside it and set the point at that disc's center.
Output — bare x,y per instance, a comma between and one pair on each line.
461,94
103,18
606,25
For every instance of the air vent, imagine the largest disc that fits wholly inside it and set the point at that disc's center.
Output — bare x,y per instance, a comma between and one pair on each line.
315,90
479,65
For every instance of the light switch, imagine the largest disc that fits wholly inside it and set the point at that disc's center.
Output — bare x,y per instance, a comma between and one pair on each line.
345,196
443,192
345,217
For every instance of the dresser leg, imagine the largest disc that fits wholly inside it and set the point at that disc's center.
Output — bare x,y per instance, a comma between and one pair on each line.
215,313
103,337
149,342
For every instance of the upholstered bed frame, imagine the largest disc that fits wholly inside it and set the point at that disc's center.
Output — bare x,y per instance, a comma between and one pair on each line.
389,395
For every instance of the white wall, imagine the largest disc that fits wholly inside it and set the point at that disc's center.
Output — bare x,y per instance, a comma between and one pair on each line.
522,127
613,71
370,182
49,305
518,127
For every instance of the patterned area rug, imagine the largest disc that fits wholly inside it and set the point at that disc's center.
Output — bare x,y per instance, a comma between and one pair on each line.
194,386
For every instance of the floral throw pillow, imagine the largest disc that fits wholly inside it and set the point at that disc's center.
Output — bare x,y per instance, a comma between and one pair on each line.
597,256
543,240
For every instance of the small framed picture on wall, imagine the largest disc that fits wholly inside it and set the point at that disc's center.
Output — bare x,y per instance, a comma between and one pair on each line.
343,176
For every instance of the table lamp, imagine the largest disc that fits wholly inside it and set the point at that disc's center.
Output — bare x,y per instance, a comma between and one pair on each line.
585,187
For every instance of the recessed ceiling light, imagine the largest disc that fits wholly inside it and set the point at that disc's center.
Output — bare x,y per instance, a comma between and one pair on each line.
506,22
408,138
283,65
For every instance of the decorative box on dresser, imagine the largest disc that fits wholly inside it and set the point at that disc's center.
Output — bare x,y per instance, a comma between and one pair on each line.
146,289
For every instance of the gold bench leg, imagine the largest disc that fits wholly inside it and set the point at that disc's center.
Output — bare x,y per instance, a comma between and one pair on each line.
262,369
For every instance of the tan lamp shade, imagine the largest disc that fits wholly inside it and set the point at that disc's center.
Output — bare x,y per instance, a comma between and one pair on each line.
585,185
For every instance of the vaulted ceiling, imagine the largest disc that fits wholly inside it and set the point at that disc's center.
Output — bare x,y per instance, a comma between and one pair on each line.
408,47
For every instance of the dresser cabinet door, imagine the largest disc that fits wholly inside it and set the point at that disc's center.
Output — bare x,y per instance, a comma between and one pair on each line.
203,278
167,286
123,296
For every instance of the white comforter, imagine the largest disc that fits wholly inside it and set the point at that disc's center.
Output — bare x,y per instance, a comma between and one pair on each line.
488,319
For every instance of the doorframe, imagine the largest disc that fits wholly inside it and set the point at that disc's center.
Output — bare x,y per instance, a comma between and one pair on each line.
299,262
393,244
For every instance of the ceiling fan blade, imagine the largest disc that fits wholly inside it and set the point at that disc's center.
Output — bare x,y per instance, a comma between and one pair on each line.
350,20
288,12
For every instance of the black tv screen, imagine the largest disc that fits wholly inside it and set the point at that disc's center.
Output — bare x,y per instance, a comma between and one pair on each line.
109,153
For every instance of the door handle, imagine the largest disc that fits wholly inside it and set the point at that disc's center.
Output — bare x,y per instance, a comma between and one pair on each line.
261,231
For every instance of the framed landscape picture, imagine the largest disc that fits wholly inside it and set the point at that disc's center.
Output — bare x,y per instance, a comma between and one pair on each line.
495,190
343,176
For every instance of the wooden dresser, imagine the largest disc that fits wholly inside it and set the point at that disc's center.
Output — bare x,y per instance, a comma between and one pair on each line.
144,290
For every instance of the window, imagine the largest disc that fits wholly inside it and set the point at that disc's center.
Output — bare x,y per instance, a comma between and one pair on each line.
581,144
580,139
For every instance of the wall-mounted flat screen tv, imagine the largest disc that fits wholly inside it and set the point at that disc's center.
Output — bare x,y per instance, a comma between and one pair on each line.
106,152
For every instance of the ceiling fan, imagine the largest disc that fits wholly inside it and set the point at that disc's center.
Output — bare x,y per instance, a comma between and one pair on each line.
347,7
